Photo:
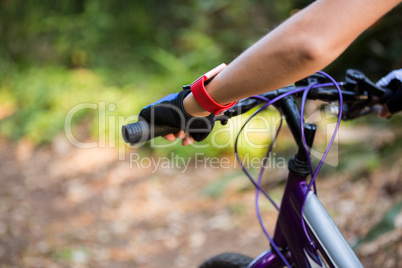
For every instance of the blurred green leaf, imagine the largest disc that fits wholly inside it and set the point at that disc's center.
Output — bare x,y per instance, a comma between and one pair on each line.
386,224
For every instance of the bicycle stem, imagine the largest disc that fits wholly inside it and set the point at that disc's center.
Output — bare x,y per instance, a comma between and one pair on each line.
299,164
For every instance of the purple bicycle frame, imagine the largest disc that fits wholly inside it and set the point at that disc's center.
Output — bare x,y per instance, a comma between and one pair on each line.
289,231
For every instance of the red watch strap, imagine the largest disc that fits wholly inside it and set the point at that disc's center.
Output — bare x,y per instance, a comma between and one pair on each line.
202,96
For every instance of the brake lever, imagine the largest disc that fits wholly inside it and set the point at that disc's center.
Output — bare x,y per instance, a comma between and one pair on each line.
358,82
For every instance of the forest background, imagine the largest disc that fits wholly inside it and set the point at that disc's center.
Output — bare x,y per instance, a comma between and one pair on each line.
123,55
56,54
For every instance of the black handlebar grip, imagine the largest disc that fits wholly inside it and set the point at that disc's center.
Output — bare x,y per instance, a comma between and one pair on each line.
142,131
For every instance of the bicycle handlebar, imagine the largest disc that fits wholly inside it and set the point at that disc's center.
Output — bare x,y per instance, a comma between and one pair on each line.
359,94
142,131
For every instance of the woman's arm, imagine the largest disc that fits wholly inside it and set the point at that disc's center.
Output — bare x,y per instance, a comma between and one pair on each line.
302,45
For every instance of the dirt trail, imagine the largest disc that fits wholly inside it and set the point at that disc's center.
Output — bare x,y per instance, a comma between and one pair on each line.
62,206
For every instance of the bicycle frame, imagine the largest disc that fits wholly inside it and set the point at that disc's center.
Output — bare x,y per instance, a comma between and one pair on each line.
289,234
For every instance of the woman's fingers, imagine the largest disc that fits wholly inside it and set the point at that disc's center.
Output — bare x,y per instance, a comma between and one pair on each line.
169,137
180,134
384,113
187,139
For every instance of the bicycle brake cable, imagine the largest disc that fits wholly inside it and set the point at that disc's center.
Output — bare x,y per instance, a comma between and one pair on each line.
315,173
257,184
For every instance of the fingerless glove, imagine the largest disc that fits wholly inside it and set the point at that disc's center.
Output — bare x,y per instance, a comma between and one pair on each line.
170,111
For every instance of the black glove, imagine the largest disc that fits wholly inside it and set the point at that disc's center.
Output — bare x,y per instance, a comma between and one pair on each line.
169,111
393,81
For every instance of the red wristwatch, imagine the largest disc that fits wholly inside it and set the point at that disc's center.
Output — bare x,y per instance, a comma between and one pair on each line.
202,96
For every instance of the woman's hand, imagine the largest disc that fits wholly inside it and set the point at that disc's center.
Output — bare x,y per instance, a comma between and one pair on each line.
393,104
170,111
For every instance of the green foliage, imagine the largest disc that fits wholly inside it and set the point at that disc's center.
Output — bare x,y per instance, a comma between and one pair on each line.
217,188
55,55
386,224
77,255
